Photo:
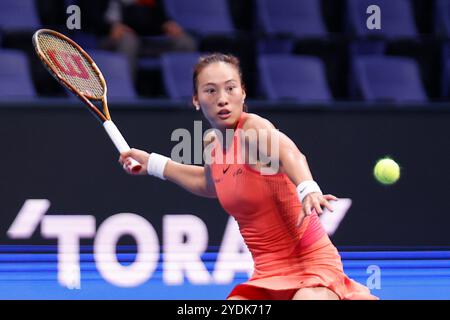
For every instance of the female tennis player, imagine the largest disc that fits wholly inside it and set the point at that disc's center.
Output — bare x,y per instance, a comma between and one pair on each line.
277,213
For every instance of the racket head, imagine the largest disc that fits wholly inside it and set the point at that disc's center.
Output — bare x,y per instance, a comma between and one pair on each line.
70,65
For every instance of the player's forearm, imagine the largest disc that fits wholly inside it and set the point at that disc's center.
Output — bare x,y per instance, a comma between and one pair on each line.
189,177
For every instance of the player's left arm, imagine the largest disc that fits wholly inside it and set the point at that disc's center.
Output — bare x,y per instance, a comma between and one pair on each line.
283,152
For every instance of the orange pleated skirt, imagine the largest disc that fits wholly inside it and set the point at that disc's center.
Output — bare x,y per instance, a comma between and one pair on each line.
318,265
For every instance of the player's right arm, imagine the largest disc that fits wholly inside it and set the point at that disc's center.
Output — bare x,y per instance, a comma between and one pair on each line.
195,179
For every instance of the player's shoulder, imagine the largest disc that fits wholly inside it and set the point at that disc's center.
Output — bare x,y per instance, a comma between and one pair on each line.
254,121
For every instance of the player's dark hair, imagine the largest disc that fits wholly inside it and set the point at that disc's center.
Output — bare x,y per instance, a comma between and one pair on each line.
205,61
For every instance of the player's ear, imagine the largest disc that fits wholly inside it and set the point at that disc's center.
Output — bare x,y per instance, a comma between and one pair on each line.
195,102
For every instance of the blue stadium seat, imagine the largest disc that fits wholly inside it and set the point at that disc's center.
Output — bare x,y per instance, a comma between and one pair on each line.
389,79
15,79
116,71
446,79
18,15
445,75
397,20
177,71
274,45
363,47
442,17
297,18
371,47
85,40
202,17
299,78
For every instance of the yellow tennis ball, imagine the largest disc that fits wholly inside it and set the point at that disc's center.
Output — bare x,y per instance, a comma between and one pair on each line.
387,171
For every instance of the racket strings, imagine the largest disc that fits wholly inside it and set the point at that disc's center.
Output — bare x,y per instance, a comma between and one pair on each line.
67,61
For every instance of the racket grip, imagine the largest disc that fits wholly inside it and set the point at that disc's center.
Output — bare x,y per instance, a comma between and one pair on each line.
121,145
133,165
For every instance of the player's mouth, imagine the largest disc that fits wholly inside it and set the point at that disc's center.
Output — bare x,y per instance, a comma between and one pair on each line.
224,114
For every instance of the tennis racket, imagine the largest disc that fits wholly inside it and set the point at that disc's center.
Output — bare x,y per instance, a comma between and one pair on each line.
76,70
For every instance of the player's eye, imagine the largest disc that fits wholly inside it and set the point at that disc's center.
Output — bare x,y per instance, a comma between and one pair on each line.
210,90
230,89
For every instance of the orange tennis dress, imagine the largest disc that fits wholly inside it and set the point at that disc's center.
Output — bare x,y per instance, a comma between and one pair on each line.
287,256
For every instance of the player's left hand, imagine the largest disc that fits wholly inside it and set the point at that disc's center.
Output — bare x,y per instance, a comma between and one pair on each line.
316,200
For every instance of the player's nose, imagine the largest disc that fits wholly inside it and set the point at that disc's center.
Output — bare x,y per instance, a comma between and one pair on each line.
222,101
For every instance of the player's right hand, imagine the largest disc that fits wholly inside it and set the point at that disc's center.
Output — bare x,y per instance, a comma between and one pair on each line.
138,155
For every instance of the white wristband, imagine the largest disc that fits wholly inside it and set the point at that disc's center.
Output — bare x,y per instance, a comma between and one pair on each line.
156,164
306,187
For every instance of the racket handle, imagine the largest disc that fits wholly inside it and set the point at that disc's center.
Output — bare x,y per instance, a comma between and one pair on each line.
121,145
133,165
